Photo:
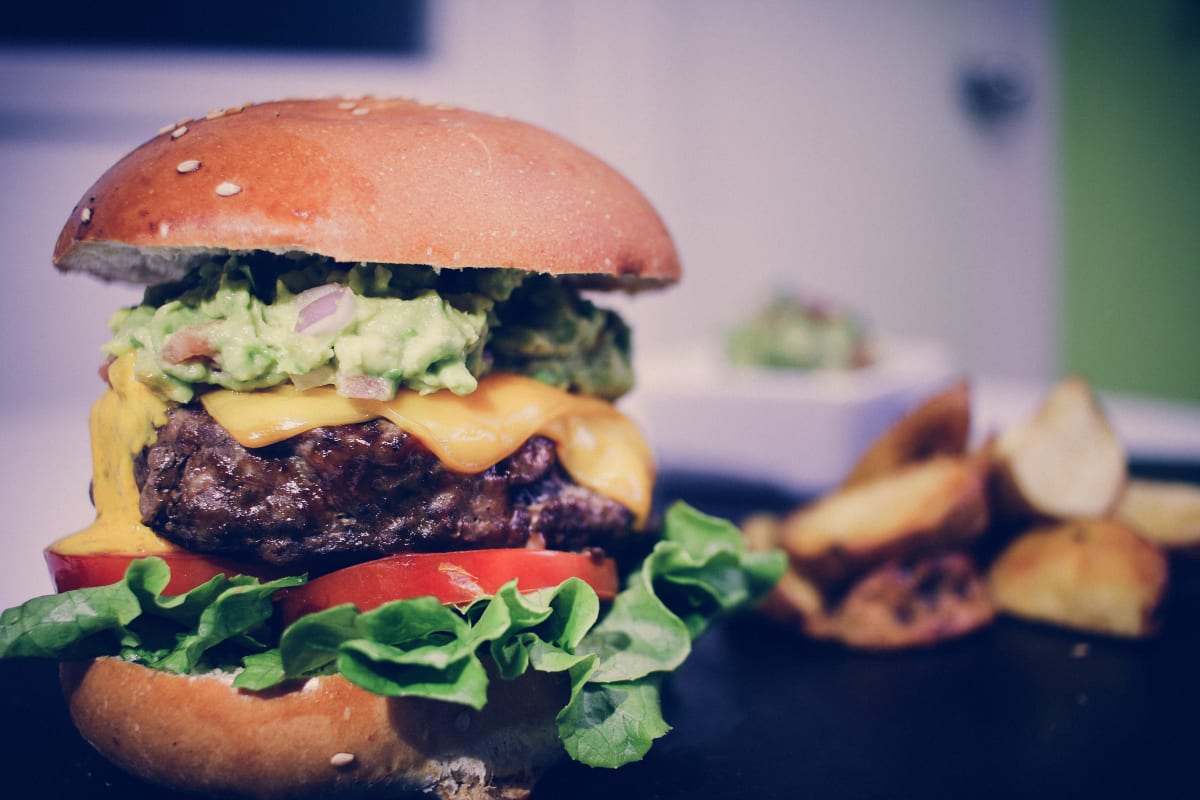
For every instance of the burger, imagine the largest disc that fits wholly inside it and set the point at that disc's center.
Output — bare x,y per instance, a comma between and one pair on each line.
368,518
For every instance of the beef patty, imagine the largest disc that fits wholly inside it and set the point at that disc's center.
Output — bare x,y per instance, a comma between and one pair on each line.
339,494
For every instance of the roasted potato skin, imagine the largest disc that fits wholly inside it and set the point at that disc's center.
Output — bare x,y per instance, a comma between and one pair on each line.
1063,462
938,426
921,603
1164,513
923,507
927,539
1094,575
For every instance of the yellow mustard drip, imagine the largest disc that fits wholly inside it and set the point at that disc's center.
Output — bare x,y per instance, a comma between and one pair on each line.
122,422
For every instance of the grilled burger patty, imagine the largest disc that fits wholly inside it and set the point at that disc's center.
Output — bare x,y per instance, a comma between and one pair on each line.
335,495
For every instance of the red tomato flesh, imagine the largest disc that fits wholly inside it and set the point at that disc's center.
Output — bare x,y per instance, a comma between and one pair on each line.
457,577
188,570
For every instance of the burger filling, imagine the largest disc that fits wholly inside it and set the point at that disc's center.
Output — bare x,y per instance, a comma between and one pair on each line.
341,494
352,484
256,321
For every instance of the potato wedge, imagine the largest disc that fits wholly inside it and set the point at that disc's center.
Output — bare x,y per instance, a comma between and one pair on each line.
901,605
1065,462
1093,575
941,425
761,531
930,505
1164,513
794,599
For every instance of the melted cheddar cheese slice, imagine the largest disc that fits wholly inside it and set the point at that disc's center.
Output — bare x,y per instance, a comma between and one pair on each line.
598,446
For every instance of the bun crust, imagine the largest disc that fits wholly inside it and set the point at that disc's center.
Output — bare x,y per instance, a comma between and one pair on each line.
324,738
378,180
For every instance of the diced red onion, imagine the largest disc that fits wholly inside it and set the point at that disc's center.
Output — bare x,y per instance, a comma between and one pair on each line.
324,309
189,343
321,376
365,387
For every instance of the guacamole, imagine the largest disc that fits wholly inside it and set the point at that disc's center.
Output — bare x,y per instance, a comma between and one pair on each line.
792,332
255,321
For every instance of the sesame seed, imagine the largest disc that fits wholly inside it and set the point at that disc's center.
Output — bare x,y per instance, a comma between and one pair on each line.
346,105
341,759
182,123
191,165
227,189
215,113
85,216
165,129
180,131
358,112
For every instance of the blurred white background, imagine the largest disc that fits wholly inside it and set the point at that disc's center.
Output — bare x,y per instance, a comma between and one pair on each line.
818,145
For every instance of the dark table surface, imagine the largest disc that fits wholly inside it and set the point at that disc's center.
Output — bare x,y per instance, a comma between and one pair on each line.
1016,710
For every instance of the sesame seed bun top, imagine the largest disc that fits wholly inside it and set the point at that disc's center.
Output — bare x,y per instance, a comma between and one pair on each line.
376,180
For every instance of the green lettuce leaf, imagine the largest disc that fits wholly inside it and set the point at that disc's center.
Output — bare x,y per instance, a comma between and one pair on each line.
71,625
615,659
612,724
134,620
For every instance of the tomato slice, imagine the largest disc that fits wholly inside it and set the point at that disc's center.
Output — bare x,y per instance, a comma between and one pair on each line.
188,570
457,577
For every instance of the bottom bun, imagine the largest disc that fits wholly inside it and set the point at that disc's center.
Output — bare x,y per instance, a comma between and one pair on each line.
322,737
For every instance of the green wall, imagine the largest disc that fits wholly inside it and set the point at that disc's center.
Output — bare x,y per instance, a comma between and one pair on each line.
1130,146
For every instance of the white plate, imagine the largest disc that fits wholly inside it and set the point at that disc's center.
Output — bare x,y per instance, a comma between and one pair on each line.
797,430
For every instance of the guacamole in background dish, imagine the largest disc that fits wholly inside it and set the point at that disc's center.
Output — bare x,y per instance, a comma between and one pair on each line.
252,322
794,332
